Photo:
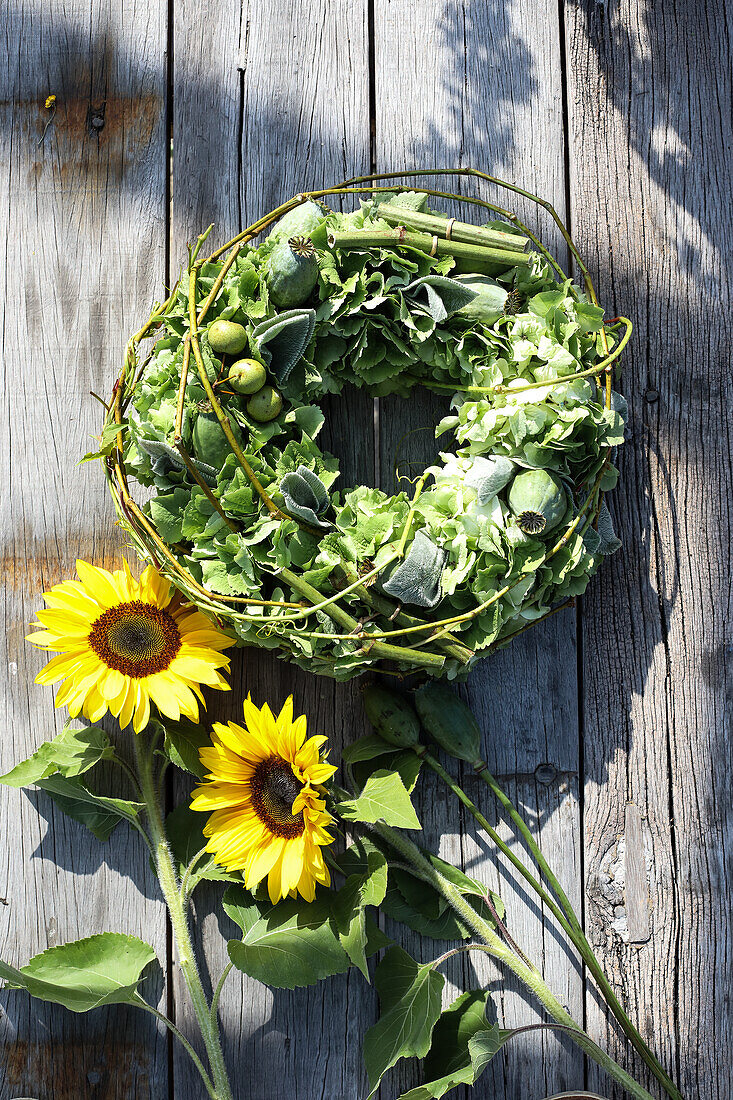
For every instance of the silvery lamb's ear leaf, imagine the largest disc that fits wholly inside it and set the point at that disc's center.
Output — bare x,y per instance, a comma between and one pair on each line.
305,495
620,405
439,296
158,450
610,543
591,540
316,486
417,579
411,200
488,476
282,340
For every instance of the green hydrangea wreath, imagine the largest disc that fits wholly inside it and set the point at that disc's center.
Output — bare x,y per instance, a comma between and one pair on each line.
221,418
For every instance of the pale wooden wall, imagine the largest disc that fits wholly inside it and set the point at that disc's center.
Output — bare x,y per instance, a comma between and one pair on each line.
618,112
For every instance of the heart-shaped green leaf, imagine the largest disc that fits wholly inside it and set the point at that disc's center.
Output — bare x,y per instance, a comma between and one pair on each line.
84,974
72,752
462,1045
384,798
291,944
409,996
100,814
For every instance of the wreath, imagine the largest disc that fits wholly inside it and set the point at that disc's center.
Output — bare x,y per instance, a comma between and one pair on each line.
221,419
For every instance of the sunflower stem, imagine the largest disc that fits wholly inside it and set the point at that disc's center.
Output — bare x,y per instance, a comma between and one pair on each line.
484,931
179,921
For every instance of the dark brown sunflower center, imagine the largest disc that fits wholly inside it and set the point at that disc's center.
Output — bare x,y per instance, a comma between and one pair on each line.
274,789
136,639
532,523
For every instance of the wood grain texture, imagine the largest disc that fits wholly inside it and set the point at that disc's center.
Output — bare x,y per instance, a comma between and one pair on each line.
83,219
293,113
650,141
479,85
267,98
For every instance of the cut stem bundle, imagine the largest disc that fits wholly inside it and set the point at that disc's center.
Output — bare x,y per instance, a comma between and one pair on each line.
451,229
480,256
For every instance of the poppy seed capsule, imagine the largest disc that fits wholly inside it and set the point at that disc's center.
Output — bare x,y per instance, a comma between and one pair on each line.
291,272
448,721
227,337
537,500
392,716
210,445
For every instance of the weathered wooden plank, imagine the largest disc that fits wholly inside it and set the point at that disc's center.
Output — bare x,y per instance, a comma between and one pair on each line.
284,107
650,139
479,85
83,220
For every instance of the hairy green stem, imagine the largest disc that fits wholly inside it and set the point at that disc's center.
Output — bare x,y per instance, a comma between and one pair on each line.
184,1043
179,921
526,973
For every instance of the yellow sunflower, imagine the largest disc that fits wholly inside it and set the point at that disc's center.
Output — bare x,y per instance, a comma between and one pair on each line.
123,643
269,815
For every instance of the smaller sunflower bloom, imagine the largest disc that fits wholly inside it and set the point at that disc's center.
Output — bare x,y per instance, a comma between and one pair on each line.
264,794
123,644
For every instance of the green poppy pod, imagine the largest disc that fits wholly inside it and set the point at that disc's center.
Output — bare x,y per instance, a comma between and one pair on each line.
291,272
538,501
392,716
448,721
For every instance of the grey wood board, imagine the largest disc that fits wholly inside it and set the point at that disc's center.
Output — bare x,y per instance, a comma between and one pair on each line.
477,85
83,218
293,114
266,99
649,146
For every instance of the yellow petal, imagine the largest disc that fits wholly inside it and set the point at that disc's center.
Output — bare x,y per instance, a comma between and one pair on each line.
142,708
99,583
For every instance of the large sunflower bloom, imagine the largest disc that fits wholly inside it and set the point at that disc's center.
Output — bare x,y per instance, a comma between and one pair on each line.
123,644
269,816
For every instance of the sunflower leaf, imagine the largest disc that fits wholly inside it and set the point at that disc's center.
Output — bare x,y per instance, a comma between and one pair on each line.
185,831
181,745
406,764
463,1043
349,904
384,798
291,944
84,974
366,748
72,752
410,998
100,814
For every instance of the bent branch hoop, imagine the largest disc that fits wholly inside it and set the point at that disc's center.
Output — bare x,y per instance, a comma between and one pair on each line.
415,643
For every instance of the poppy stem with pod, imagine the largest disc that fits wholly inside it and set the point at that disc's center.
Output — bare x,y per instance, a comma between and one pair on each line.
450,723
494,946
